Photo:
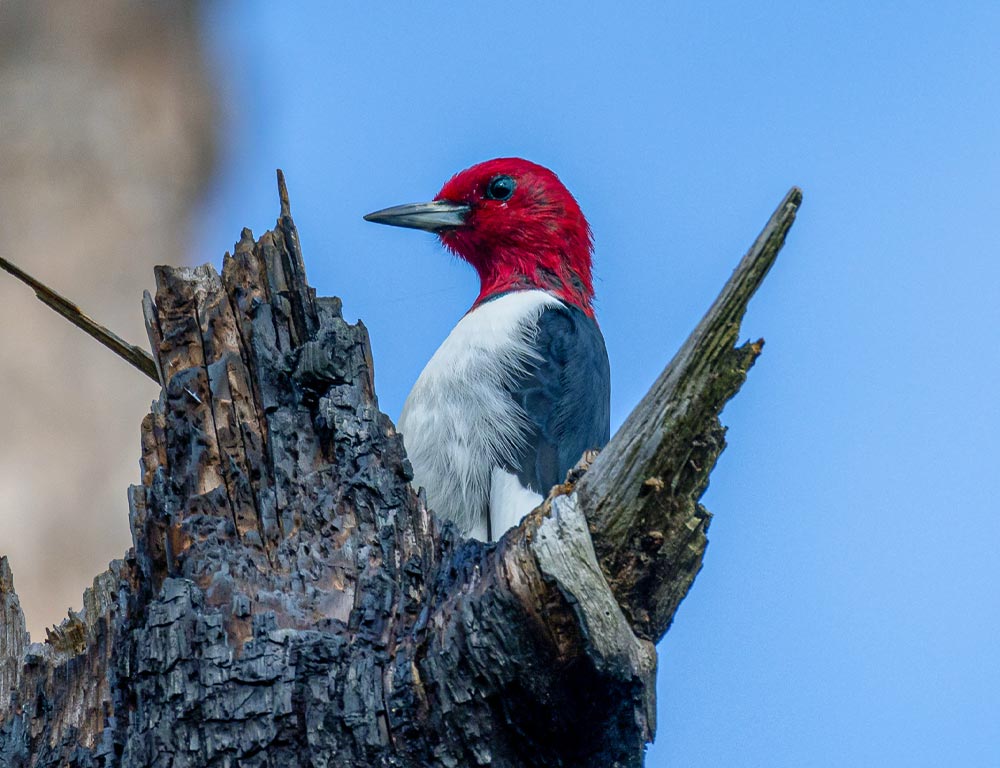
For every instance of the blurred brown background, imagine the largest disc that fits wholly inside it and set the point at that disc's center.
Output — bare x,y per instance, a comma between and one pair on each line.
107,121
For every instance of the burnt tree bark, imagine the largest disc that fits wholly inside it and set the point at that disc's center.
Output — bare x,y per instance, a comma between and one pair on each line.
291,601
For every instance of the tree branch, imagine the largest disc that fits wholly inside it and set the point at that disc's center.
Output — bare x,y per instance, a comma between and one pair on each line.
641,494
138,358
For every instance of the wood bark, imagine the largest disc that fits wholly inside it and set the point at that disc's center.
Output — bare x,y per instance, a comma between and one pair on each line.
290,600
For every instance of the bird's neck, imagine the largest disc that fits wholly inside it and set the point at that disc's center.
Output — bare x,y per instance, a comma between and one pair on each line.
550,272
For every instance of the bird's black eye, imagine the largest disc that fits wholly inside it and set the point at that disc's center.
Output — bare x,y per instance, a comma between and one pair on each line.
500,188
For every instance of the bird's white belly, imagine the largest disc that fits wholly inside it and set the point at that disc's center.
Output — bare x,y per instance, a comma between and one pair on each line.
459,423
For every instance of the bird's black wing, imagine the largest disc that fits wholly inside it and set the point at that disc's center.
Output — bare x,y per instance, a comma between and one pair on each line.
566,393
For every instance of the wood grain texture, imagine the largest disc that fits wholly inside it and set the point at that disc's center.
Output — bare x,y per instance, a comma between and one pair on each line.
13,635
640,495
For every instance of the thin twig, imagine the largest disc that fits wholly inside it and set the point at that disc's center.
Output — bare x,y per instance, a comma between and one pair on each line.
130,353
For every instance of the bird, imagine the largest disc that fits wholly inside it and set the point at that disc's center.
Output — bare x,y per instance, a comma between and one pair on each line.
520,388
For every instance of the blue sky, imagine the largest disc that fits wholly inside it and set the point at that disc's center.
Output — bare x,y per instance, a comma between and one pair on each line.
848,610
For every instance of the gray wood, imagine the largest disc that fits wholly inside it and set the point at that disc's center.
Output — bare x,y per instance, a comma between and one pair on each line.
290,600
641,494
13,635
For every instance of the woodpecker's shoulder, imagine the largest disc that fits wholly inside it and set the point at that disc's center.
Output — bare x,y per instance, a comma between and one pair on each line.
564,392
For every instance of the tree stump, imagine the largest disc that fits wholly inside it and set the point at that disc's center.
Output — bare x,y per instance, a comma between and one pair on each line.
291,601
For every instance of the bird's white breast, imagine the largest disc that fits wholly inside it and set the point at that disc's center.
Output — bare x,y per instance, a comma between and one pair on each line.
459,422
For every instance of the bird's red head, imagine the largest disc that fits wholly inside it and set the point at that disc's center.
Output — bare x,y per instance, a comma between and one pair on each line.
516,223
523,230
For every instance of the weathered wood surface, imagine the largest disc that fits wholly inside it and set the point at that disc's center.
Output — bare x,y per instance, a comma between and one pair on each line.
13,636
641,494
290,601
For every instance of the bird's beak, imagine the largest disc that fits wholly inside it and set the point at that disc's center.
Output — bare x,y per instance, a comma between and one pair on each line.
432,217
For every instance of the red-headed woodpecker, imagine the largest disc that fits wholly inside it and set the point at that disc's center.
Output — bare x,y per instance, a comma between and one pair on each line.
521,387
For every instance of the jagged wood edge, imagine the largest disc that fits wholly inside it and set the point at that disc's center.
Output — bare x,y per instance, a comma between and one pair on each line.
640,495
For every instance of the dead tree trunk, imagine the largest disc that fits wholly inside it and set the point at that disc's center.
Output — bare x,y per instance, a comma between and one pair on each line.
290,601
